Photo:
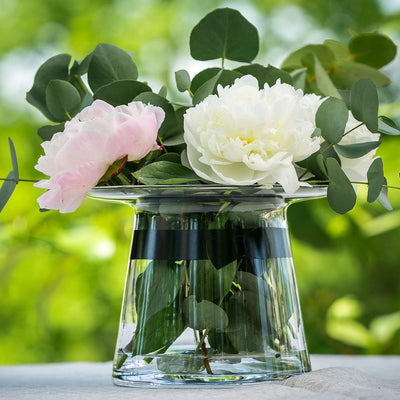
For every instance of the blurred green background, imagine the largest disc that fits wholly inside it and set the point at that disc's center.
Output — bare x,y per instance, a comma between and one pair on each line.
62,276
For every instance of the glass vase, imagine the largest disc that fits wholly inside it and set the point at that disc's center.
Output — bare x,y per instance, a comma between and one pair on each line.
210,293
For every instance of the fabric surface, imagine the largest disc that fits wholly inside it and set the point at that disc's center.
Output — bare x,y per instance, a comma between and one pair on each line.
333,378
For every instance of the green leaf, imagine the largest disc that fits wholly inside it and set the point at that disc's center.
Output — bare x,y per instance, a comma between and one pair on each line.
206,89
299,78
81,68
54,68
265,75
169,127
114,169
46,132
7,189
14,161
173,157
163,278
121,92
202,77
356,150
109,64
204,314
331,118
174,140
166,173
387,127
209,283
182,78
296,59
163,91
373,49
62,99
364,103
341,194
383,198
346,73
223,78
339,50
158,332
324,83
376,179
224,33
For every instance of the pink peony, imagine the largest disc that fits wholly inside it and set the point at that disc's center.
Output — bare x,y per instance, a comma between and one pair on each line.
99,135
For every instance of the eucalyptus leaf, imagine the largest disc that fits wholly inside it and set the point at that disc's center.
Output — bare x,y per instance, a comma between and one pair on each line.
296,59
62,99
324,83
163,91
339,50
224,33
54,68
7,189
158,332
356,150
387,127
14,161
265,75
223,78
376,179
204,314
383,198
165,172
373,49
202,77
364,103
157,287
182,79
169,127
108,64
209,283
299,78
121,92
346,73
174,140
341,194
331,118
46,132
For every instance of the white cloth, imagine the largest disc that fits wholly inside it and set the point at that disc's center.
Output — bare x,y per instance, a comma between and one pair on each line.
333,378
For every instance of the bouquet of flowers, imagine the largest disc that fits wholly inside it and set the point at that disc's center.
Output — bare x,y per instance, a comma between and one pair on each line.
313,121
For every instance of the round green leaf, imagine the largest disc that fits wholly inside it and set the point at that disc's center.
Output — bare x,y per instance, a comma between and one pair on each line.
54,68
204,314
341,194
202,77
224,33
7,189
346,73
373,49
62,99
383,198
121,92
182,78
46,132
324,82
108,64
331,118
387,127
265,75
364,103
376,179
296,59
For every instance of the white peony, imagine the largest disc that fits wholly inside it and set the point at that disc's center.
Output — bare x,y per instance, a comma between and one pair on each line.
356,168
245,135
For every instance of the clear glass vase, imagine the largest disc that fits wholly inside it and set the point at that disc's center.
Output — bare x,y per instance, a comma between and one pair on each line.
210,294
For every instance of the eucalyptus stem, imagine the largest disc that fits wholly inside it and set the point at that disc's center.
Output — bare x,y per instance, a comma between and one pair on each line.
204,352
19,180
81,84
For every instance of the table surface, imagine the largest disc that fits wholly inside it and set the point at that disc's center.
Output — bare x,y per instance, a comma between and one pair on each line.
333,378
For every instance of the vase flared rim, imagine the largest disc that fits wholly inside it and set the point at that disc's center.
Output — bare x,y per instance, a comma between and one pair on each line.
136,192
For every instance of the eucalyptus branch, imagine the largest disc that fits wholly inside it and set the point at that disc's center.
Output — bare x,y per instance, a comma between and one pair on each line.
79,81
345,134
19,180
